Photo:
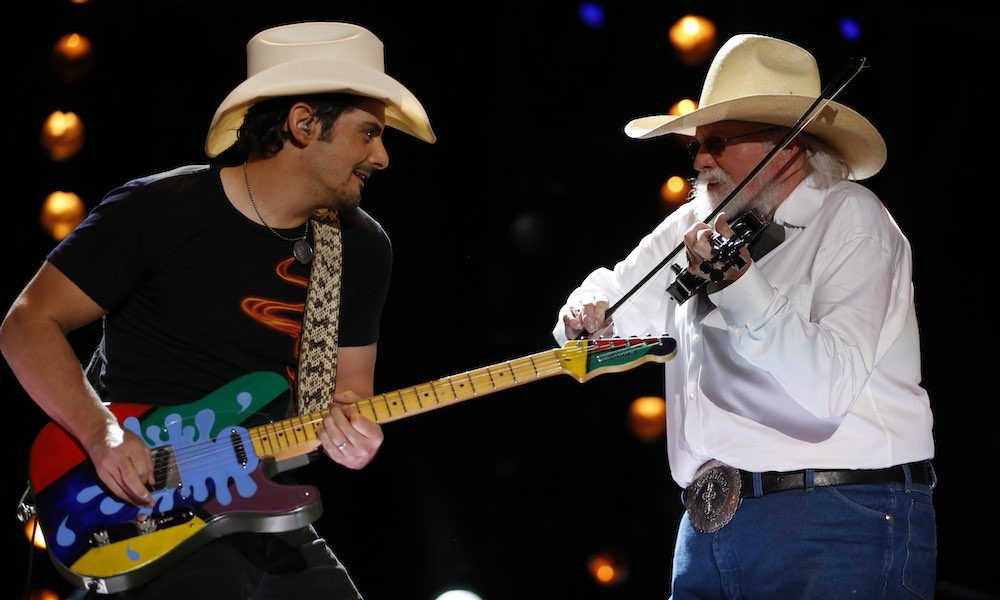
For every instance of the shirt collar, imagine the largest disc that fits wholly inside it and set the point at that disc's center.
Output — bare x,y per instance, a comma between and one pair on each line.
801,205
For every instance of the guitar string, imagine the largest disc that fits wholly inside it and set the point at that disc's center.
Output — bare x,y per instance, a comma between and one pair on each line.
185,453
189,454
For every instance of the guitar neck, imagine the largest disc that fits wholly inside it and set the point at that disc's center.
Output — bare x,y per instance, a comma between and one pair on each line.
299,435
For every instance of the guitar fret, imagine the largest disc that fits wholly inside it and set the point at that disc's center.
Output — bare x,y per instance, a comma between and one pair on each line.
469,390
454,394
304,428
425,390
477,376
404,397
279,436
501,374
267,439
370,412
380,402
280,432
533,365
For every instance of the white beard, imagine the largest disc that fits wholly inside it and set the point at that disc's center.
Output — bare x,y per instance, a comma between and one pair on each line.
764,200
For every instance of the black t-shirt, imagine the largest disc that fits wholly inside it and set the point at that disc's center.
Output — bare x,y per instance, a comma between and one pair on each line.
198,295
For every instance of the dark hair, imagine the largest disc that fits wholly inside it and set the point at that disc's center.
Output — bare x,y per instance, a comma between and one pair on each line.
263,132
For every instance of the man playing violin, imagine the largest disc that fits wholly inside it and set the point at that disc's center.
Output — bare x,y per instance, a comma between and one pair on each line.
796,422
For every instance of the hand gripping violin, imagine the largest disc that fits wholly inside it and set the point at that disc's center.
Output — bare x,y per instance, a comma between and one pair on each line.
727,254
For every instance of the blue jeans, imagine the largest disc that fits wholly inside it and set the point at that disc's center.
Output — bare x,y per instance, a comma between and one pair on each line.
865,541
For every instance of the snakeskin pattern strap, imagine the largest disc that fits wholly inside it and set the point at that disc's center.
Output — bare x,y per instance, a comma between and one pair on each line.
320,323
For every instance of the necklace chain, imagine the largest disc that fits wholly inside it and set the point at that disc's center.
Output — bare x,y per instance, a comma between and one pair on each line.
246,180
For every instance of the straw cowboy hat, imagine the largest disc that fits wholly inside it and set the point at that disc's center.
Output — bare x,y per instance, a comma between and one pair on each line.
312,58
766,80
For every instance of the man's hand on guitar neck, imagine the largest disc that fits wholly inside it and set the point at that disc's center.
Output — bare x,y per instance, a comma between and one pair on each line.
124,463
349,438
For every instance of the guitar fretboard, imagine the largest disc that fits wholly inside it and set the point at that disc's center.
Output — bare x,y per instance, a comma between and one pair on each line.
299,435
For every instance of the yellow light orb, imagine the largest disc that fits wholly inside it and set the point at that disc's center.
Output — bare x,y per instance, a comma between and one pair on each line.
39,540
647,418
605,569
62,135
61,213
73,46
683,107
72,56
693,37
605,573
675,190
44,595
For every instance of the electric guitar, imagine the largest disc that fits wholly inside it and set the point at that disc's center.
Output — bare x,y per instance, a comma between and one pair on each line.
213,475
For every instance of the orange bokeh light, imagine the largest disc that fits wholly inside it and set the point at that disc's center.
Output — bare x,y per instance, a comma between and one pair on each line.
605,569
693,37
39,540
62,135
675,190
72,56
647,418
683,107
74,46
61,213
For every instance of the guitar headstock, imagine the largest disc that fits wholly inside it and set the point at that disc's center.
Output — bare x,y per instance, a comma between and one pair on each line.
584,359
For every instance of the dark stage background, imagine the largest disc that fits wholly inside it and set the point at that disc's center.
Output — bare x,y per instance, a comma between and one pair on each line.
531,185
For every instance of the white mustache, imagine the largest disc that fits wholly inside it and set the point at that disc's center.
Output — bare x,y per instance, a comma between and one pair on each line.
699,188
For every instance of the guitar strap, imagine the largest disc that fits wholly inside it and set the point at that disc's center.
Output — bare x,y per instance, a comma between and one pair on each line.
317,373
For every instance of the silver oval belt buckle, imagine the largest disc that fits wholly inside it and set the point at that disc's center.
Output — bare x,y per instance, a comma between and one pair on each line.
713,497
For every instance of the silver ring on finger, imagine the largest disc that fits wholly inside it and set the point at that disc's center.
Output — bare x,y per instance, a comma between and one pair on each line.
341,446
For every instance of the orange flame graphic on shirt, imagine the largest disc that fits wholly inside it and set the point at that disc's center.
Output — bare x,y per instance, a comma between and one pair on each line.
285,317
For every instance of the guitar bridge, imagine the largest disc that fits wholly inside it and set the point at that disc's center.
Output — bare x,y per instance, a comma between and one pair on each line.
137,527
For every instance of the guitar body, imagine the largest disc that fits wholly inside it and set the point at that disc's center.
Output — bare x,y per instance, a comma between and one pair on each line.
211,481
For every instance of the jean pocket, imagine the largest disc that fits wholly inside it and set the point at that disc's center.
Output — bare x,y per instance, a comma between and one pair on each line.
874,501
920,568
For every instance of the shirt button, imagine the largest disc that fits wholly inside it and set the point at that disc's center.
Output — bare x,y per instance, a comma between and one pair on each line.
696,338
691,394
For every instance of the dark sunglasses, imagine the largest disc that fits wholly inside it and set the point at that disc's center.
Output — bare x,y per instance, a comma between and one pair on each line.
717,145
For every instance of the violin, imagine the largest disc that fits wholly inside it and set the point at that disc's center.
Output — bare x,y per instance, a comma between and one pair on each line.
727,254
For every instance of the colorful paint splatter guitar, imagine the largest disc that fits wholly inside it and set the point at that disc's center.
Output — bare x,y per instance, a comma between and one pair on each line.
213,474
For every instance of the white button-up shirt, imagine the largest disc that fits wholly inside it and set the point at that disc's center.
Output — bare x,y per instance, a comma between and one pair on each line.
810,359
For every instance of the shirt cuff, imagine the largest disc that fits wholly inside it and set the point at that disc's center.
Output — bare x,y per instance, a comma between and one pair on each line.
746,300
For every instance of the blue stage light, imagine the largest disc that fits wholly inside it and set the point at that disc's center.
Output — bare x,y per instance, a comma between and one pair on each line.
592,14
850,30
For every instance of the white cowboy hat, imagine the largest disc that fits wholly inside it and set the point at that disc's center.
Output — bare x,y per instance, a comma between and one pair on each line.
313,58
766,80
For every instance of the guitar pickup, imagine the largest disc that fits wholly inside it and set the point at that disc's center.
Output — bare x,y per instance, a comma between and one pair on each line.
165,470
137,527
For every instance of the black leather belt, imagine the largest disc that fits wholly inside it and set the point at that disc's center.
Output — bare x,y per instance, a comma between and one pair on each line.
771,481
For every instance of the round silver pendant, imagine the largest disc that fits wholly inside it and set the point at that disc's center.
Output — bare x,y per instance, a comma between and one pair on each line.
302,252
712,498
